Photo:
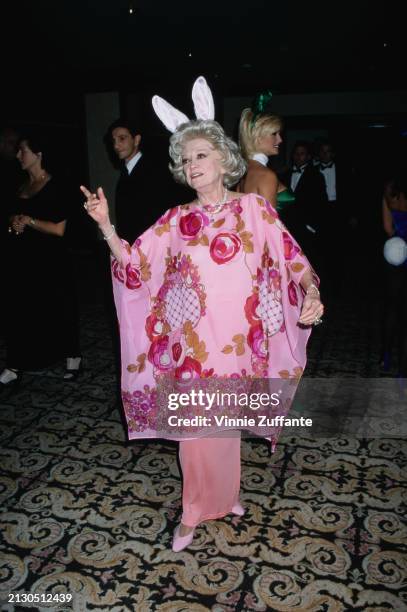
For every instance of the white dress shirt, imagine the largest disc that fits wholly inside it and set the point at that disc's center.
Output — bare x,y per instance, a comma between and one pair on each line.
295,177
133,161
329,175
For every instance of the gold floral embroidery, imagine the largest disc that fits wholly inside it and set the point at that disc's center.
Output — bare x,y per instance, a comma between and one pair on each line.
240,224
247,243
266,215
132,367
202,240
297,266
145,267
192,340
244,236
297,373
162,229
239,341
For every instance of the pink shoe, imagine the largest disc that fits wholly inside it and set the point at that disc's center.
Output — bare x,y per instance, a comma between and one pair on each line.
238,509
181,542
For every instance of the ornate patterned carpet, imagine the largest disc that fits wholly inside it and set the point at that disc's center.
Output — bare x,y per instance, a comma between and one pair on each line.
85,513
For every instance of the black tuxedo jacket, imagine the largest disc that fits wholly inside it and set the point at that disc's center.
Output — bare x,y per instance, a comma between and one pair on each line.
143,196
310,199
344,186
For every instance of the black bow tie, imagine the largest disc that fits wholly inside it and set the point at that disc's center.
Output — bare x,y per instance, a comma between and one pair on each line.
324,166
299,170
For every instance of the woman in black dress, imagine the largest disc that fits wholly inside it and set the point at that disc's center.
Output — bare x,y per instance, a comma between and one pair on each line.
41,323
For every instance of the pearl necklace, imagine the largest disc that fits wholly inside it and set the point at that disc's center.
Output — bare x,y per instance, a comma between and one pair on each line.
215,208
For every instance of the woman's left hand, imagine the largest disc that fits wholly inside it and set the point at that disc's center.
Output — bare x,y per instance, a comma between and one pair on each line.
312,310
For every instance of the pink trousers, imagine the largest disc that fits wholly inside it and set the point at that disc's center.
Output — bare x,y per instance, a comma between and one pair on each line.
211,478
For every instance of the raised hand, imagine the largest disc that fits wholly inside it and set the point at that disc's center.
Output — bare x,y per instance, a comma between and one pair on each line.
96,206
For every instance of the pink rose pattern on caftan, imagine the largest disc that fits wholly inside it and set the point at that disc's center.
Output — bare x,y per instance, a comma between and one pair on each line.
203,295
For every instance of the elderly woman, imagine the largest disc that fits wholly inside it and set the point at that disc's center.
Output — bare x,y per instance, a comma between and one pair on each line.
259,139
215,291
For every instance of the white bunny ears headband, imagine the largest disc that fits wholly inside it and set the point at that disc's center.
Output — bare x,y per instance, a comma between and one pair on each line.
203,106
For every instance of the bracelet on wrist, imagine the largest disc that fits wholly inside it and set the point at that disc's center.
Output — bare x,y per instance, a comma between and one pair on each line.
110,234
314,287
33,222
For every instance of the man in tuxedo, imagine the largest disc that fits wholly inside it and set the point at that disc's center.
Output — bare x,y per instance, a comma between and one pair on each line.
135,189
337,214
303,219
337,180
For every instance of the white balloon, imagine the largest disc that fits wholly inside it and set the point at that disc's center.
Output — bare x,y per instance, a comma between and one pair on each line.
395,251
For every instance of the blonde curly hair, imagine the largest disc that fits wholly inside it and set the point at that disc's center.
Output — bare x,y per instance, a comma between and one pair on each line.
231,159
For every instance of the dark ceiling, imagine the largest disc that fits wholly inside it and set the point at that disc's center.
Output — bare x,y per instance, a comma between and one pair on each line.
244,45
